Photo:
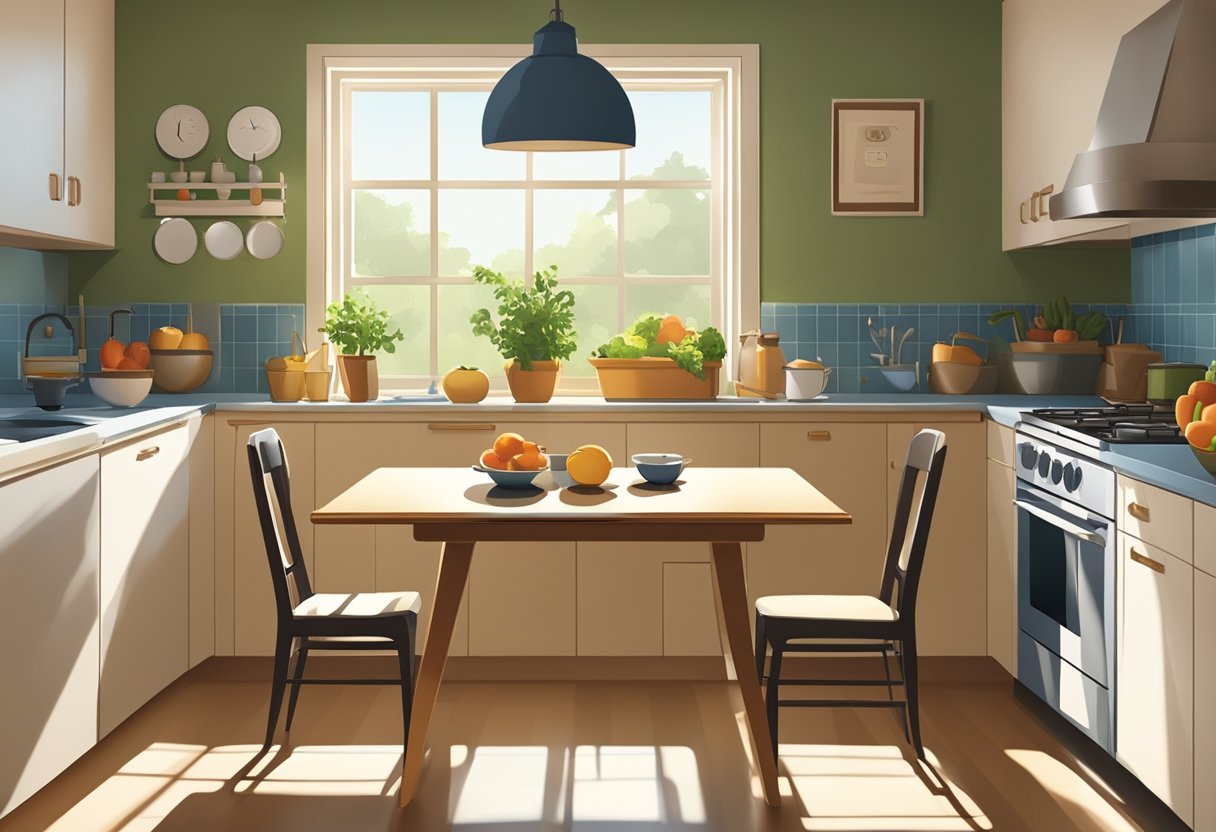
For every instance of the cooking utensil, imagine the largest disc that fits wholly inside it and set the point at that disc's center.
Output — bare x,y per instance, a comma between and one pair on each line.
805,383
899,357
1166,382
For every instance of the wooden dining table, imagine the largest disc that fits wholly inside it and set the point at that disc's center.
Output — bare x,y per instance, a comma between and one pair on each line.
460,507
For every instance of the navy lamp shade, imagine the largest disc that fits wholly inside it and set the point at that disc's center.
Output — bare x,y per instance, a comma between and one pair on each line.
557,99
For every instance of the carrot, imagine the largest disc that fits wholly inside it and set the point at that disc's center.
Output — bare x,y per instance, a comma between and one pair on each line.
1202,435
1064,336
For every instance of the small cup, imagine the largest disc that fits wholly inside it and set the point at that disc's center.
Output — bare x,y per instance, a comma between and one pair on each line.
158,176
179,176
660,469
557,469
223,193
197,176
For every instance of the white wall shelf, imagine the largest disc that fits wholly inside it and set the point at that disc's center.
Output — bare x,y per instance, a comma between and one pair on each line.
218,207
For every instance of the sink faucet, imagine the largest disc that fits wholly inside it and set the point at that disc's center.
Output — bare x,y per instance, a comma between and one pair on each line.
57,365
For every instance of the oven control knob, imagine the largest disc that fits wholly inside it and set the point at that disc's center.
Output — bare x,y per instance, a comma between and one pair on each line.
1072,477
1029,456
1057,471
1044,464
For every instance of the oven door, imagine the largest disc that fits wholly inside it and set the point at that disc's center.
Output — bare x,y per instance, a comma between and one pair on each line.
1066,580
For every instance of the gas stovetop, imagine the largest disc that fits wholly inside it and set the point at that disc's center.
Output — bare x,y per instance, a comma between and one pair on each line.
1116,424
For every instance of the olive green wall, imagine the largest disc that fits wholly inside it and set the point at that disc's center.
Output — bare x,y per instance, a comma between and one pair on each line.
223,54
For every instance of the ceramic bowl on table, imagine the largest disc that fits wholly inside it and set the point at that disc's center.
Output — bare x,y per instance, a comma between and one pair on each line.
660,469
510,479
121,388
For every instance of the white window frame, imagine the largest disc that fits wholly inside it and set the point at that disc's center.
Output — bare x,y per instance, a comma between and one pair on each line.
733,69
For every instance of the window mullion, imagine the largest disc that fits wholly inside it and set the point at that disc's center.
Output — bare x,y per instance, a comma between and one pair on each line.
529,259
433,193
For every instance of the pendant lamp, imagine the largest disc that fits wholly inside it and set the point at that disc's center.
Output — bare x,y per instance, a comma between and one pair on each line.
557,99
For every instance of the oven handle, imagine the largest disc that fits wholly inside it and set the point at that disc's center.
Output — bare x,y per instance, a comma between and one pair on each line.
1071,526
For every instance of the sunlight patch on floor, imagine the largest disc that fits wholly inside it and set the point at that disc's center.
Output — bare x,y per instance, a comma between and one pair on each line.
868,787
325,770
501,784
1075,796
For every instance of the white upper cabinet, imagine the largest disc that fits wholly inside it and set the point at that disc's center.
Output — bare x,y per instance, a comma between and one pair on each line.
1056,59
57,148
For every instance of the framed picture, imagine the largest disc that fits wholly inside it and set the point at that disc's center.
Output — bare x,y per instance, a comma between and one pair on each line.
878,154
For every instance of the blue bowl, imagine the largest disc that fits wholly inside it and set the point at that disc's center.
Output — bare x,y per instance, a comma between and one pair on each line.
510,479
660,469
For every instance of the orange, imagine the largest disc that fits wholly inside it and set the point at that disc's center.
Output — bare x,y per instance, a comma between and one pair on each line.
589,465
138,352
166,338
489,459
129,364
671,330
508,445
194,341
1064,336
530,460
111,353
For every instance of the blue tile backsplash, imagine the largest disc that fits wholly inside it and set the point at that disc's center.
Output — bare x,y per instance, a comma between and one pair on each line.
242,335
1173,307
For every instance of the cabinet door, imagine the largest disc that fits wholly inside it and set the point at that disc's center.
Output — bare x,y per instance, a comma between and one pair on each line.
951,609
1154,667
88,114
145,580
48,614
31,143
202,538
1205,695
252,593
1002,567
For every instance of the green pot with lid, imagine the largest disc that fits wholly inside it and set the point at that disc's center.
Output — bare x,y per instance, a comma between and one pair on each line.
1166,382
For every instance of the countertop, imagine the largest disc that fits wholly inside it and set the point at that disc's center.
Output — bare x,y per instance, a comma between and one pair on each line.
1172,467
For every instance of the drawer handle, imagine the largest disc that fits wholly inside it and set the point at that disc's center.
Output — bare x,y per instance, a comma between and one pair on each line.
1138,511
52,183
458,426
819,435
1145,560
147,453
1034,206
1044,206
1022,213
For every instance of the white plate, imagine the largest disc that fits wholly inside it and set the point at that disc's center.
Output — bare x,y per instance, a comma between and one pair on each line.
254,131
224,240
264,240
175,241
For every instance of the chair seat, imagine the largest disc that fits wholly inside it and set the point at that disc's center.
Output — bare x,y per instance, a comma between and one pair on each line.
826,607
358,605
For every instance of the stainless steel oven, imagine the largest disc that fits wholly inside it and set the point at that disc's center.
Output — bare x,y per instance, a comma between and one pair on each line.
1066,583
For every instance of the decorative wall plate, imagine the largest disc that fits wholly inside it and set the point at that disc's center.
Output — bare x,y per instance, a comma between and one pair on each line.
182,131
264,240
175,241
224,240
254,132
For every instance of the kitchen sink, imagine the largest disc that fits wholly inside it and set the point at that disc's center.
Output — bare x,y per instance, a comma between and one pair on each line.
24,430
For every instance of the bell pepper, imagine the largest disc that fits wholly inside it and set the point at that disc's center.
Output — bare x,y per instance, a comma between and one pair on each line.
1202,435
1205,391
1188,409
1209,414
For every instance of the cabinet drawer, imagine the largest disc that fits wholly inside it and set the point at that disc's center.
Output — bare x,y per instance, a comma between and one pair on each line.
1156,516
1205,538
1000,444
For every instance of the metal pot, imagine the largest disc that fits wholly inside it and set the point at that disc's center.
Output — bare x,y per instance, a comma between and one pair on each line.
1166,382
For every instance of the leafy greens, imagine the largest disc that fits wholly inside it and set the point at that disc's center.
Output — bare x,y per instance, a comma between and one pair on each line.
641,341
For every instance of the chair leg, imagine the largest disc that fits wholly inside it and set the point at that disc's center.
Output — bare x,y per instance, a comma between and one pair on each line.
278,684
772,697
301,657
886,671
912,693
761,646
405,660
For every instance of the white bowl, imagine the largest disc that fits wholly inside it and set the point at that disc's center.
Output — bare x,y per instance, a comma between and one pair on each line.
805,383
121,388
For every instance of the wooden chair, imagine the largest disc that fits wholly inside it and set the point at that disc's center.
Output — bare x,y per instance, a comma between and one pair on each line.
883,622
320,621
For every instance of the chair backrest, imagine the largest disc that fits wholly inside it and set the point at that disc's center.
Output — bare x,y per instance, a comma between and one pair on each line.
272,492
918,489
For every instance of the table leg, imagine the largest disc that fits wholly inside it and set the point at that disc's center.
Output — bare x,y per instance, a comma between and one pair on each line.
732,595
449,587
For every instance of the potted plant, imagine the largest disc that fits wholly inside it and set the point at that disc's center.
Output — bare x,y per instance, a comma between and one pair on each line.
660,358
535,330
358,328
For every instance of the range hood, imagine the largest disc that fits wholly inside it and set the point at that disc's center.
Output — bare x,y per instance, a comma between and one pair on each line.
1154,148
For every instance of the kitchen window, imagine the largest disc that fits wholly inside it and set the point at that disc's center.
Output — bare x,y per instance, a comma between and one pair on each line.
410,202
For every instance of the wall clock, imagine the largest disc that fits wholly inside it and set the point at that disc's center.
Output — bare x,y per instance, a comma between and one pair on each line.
182,131
254,132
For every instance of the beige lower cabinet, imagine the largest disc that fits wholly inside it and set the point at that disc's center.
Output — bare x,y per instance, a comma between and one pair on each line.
1205,696
1002,549
252,595
145,571
1154,646
952,607
202,538
49,544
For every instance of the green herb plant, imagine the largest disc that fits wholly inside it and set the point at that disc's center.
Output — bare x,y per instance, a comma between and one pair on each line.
535,323
358,327
641,341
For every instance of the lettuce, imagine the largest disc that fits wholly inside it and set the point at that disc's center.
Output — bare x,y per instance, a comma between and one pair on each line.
640,340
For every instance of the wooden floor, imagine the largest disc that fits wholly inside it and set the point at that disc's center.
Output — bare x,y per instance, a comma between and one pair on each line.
613,756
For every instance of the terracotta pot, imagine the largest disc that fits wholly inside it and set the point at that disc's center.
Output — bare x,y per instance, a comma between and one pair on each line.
360,379
625,379
535,385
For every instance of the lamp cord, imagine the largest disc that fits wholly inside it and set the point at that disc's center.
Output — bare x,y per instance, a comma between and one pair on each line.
556,14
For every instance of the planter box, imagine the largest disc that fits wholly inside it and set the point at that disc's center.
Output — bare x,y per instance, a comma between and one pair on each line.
624,379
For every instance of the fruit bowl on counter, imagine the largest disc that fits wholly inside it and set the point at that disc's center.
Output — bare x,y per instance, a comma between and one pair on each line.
512,462
958,370
120,388
1195,413
180,361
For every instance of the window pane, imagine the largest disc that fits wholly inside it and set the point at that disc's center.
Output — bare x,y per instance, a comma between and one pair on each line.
457,344
409,309
481,228
673,135
576,231
392,233
691,303
390,135
461,155
596,319
591,164
667,232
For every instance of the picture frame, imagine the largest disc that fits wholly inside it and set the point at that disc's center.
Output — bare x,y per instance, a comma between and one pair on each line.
878,157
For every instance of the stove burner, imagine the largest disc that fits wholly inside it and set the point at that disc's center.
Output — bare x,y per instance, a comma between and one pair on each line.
1118,423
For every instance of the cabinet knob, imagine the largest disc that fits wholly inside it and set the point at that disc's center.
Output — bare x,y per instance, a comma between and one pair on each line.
892,465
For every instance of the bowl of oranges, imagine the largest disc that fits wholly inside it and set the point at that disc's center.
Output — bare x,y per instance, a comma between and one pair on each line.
1196,416
513,462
